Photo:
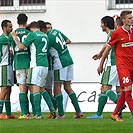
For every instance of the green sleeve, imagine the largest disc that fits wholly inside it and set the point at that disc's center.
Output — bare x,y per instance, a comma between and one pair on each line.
29,39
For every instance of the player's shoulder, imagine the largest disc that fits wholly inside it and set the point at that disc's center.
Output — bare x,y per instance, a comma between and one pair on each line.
2,37
117,31
54,31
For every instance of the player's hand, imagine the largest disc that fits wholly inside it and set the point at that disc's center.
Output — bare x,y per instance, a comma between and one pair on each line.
100,70
96,56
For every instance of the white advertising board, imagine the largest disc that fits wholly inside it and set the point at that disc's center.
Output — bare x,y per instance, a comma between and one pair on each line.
87,93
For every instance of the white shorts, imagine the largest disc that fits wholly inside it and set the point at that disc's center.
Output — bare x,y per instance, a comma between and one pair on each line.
49,79
37,76
6,76
64,74
21,76
110,76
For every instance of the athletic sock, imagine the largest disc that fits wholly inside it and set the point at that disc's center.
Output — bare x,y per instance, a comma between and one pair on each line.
37,102
59,101
27,106
129,100
111,95
1,106
118,94
74,102
120,103
53,99
23,102
8,107
101,103
47,99
32,103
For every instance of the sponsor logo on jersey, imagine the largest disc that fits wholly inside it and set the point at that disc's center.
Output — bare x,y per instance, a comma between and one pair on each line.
129,44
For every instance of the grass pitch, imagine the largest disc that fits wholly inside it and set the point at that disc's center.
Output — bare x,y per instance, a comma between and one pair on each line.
68,125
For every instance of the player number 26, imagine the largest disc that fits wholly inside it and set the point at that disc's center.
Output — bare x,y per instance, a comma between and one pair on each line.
125,80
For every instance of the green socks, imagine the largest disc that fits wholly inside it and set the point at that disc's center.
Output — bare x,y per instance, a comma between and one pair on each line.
75,102
103,99
59,101
8,107
23,103
32,104
118,94
54,102
111,95
27,105
47,99
101,103
1,106
37,102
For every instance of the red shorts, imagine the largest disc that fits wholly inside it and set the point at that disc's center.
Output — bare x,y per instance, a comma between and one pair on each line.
125,77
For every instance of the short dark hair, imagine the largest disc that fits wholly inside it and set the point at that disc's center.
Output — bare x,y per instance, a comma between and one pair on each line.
108,22
22,18
119,21
42,24
34,24
48,23
124,13
4,23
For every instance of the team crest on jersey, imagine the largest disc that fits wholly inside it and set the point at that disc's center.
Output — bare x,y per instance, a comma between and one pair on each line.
127,44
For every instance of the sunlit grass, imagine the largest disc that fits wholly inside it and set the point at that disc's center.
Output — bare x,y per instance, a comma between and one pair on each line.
68,125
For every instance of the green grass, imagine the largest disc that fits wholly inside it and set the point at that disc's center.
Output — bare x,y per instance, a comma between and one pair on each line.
68,125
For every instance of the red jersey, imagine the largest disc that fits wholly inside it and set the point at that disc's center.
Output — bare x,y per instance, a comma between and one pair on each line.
122,40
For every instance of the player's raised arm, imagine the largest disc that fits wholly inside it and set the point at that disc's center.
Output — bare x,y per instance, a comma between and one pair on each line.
18,43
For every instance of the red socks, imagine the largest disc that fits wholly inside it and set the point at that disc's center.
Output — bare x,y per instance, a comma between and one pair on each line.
120,103
129,100
124,96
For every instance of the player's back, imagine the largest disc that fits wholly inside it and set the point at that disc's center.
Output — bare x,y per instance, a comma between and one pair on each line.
20,55
59,49
38,48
